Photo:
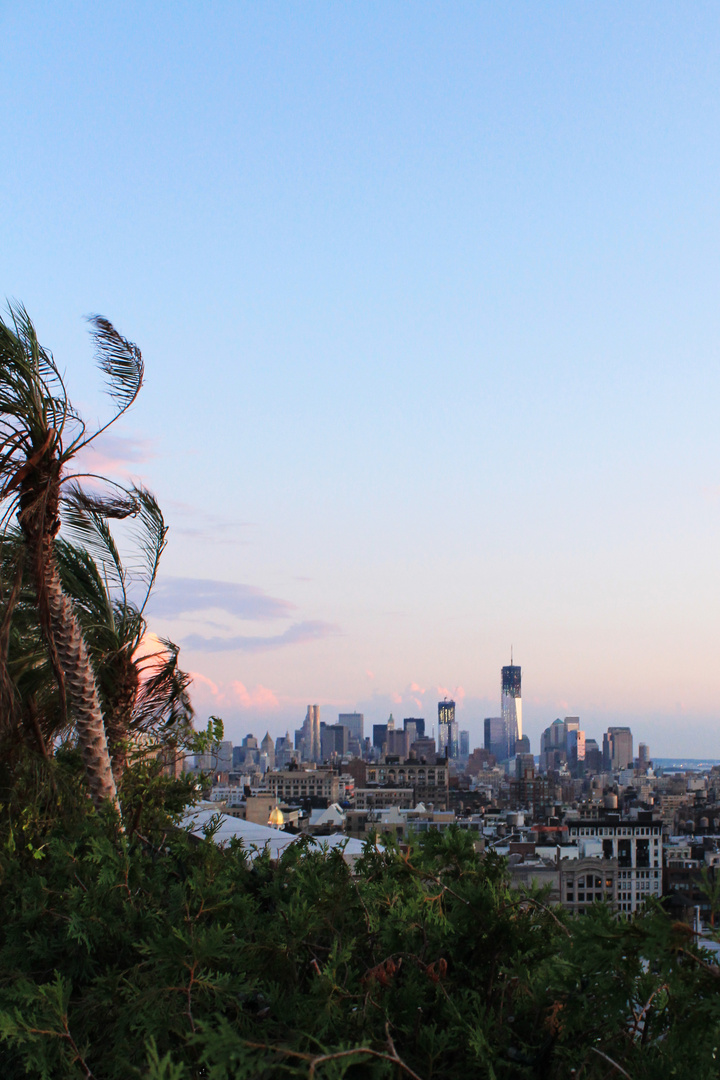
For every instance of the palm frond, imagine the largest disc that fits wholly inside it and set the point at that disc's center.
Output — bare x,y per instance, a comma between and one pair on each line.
33,400
86,518
119,359
84,582
163,700
150,536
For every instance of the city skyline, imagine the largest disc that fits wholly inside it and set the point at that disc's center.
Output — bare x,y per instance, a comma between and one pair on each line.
427,302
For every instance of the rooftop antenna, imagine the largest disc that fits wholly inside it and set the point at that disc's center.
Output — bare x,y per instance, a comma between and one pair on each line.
511,659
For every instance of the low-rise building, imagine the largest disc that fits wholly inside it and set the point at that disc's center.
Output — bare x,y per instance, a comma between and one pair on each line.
379,798
294,784
428,782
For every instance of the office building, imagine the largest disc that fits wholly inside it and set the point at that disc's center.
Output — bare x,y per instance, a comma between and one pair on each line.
311,748
333,741
355,723
419,723
593,757
267,747
496,738
379,736
511,703
464,744
398,742
576,751
617,748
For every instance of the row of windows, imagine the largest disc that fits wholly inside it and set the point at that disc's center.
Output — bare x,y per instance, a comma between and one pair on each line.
615,830
402,775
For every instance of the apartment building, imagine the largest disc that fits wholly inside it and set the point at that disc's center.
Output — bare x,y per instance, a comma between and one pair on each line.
626,857
289,785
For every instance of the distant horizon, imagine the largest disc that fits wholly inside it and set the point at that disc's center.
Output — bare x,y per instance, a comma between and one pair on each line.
377,714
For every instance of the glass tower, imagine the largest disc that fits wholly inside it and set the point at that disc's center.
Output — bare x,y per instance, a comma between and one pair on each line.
511,704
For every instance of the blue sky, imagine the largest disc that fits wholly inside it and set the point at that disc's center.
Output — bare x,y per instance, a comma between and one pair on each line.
428,298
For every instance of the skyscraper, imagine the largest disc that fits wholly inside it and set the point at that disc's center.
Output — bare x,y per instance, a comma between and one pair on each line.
311,734
419,723
496,740
446,711
511,703
617,748
447,729
355,723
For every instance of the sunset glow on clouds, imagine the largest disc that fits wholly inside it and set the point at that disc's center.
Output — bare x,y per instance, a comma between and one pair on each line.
233,695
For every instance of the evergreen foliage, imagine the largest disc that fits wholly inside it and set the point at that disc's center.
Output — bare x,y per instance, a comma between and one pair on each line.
158,955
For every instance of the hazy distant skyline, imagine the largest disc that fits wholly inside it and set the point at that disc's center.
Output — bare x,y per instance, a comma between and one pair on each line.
428,299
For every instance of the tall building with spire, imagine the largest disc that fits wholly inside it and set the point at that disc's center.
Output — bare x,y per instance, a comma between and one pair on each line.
511,703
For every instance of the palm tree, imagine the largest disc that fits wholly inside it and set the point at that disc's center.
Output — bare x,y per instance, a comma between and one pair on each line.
140,693
40,433
143,691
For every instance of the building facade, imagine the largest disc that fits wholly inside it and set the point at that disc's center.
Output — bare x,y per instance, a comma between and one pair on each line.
496,738
292,784
429,782
636,846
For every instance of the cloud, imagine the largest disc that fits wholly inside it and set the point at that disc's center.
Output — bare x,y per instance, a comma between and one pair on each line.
456,694
202,680
233,695
297,634
176,596
113,454
259,698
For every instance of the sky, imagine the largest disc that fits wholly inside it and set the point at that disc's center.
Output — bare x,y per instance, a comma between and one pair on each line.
428,300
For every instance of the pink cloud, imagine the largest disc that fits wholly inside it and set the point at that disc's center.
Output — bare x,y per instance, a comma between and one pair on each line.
370,674
396,698
415,689
232,695
114,455
203,681
259,698
456,694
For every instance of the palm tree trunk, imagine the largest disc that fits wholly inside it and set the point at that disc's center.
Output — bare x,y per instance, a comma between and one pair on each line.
81,690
